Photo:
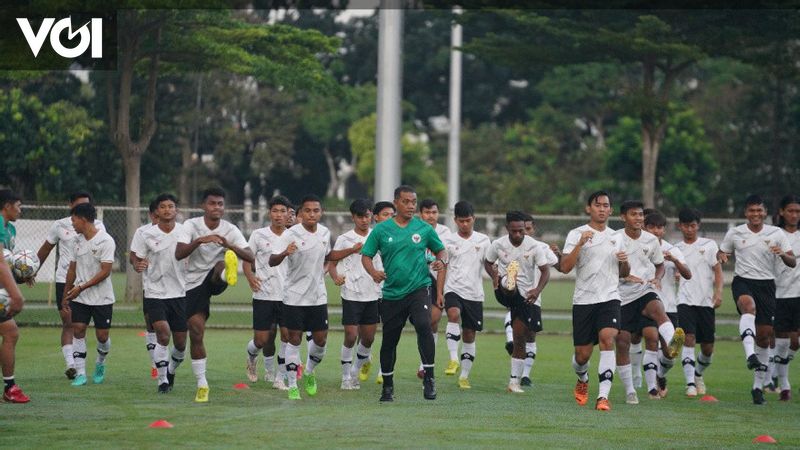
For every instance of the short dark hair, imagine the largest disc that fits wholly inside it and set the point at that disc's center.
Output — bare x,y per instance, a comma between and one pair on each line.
80,194
464,209
688,215
380,206
403,188
213,192
165,197
84,210
309,198
785,201
753,199
655,219
628,205
152,206
428,203
515,216
529,218
8,196
360,207
595,195
280,200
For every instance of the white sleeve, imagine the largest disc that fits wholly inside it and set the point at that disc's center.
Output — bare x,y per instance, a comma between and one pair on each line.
573,238
52,234
786,246
491,253
283,241
238,238
184,235
727,243
138,245
711,253
541,257
107,254
656,255
251,243
341,243
551,257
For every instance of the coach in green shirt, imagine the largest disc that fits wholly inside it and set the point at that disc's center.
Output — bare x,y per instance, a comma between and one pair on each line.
401,243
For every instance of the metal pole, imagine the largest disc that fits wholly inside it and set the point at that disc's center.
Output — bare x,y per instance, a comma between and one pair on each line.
453,142
390,71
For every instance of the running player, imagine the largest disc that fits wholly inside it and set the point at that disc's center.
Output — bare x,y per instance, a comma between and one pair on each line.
382,211
212,246
463,289
10,210
267,284
429,212
136,241
594,251
164,280
698,297
360,296
756,246
787,293
89,295
62,234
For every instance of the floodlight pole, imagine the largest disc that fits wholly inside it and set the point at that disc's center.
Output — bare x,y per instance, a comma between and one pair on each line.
390,79
453,142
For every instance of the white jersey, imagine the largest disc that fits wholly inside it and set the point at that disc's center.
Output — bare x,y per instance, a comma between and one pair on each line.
754,259
643,254
530,256
701,257
165,276
137,242
62,234
669,284
263,243
358,284
305,271
442,231
204,257
88,256
787,279
466,257
597,269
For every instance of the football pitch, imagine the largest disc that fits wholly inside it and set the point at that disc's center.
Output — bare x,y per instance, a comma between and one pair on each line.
117,413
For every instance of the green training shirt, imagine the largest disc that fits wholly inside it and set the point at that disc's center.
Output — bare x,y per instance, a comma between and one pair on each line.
8,234
403,254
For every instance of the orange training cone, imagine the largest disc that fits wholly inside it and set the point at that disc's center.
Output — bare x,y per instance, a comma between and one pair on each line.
142,333
161,424
764,439
241,386
709,399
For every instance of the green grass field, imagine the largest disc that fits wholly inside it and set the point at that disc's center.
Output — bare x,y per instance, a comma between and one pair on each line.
117,413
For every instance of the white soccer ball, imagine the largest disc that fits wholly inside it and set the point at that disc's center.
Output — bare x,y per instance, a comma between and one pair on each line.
24,264
4,299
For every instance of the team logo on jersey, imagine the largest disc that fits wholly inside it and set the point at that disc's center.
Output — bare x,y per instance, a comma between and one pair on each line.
702,252
390,239
477,248
613,242
744,241
645,251
416,238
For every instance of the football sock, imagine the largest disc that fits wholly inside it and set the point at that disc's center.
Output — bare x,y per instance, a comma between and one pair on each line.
79,353
467,358
703,362
199,369
760,374
9,383
252,350
626,375
66,350
782,362
347,361
667,331
150,341
282,359
507,326
530,358
605,372
269,364
315,355
581,370
175,360
747,331
453,336
516,370
292,363
688,363
770,366
650,364
161,354
664,365
636,355
102,350
362,355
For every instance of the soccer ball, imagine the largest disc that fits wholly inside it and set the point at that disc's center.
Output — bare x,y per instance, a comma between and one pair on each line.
4,299
24,264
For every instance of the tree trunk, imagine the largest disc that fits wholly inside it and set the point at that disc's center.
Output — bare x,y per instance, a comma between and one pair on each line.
650,148
133,220
333,182
184,178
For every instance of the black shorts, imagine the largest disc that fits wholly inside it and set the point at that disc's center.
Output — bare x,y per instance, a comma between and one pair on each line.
787,314
198,299
305,318
632,319
588,320
267,314
699,321
359,313
60,295
674,318
762,291
85,313
171,310
432,292
471,311
415,306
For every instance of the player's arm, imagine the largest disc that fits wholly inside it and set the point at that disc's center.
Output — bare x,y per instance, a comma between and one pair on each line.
718,282
182,249
250,273
16,300
44,252
683,269
139,264
337,255
105,271
788,257
276,259
569,260
68,286
625,267
337,279
660,271
544,278
441,276
490,268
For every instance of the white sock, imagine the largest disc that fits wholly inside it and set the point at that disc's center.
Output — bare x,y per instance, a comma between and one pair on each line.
782,362
175,360
667,331
150,341
664,365
161,355
66,350
516,370
269,363
770,366
703,362
453,334
581,370
467,358
292,363
309,338
747,331
362,355
282,359
102,351
530,358
760,373
79,355
507,326
347,361
626,375
199,369
636,355
650,361
252,350
605,372
315,355
688,362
